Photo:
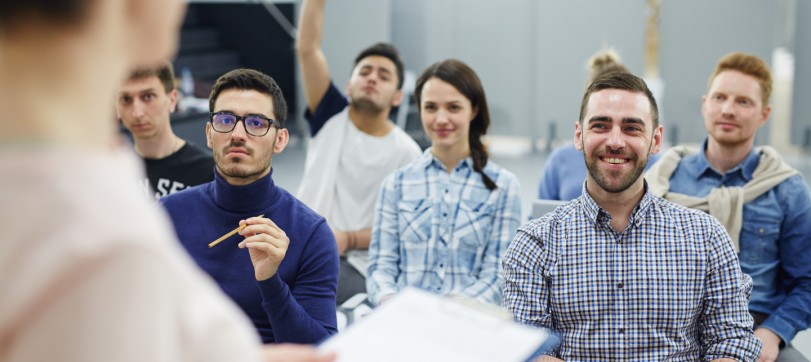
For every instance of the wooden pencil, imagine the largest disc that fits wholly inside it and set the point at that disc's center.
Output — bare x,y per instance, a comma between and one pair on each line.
228,235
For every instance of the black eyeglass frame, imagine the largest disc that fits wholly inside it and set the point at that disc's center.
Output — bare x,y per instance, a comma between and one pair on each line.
271,121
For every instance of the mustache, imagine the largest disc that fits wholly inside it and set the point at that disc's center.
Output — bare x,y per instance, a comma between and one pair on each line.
237,144
610,152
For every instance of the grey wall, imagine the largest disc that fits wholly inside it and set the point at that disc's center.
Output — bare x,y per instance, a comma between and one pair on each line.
531,54
801,111
695,35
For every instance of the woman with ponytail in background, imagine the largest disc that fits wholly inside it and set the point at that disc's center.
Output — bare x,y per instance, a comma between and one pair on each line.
443,222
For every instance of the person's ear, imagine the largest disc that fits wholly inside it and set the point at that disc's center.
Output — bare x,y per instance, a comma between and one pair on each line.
656,143
578,136
172,100
208,135
398,98
282,137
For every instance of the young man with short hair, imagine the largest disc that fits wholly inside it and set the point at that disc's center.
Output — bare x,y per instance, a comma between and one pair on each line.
620,273
353,145
144,105
286,279
763,202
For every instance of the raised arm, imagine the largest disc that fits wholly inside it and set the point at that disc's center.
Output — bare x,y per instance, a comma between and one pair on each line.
312,62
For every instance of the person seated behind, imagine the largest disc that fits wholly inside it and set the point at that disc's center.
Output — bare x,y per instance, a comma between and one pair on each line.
144,105
286,279
620,273
443,222
353,146
89,268
564,170
763,202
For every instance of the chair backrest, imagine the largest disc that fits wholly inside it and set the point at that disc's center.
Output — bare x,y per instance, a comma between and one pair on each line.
540,207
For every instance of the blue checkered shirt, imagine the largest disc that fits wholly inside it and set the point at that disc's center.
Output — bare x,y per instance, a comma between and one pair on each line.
668,287
443,232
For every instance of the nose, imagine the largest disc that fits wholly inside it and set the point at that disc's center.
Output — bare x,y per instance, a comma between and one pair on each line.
727,108
137,109
372,77
239,132
442,116
615,140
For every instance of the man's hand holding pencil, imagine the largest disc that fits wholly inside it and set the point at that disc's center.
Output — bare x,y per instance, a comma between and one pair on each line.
266,243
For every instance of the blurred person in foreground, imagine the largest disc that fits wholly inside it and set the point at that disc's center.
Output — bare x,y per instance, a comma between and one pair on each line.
89,269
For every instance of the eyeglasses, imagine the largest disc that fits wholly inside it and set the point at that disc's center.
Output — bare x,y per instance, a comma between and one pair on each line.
225,122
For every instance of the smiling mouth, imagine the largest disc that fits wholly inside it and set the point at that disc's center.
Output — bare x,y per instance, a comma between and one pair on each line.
614,160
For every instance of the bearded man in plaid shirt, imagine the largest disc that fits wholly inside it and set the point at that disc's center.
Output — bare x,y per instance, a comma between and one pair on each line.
622,274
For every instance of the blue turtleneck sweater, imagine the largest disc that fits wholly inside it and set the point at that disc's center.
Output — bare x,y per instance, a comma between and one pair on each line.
295,305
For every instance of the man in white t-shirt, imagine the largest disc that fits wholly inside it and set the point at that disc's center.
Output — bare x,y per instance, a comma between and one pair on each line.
353,145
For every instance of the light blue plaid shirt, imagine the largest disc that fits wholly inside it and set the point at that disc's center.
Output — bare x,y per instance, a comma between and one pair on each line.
668,287
442,232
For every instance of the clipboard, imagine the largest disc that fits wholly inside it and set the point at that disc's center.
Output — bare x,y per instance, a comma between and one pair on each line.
416,325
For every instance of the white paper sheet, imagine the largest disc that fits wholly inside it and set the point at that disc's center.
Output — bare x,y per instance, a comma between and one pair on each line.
419,326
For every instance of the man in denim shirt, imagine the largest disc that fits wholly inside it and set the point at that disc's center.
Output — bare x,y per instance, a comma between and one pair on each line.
763,202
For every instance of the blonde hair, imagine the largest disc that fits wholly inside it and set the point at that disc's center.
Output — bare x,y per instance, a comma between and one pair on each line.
604,62
750,65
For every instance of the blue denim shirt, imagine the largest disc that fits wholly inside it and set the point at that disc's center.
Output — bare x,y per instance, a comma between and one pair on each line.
775,239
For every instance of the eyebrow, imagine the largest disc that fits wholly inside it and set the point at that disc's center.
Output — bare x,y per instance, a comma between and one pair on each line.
246,115
378,68
142,91
631,120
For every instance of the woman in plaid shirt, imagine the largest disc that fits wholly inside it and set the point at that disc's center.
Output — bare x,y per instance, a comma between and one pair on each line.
443,222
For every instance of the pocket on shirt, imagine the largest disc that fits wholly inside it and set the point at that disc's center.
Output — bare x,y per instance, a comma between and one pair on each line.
414,220
758,241
474,223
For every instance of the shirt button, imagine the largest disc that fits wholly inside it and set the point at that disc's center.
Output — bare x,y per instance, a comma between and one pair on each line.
619,285
761,231
446,191
441,265
444,214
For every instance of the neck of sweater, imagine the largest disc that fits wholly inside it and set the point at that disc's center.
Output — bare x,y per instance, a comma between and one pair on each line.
250,198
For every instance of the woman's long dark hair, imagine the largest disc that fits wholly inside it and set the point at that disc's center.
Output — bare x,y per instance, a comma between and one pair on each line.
465,80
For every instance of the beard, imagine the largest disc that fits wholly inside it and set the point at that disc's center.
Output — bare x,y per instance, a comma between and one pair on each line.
602,177
365,105
236,168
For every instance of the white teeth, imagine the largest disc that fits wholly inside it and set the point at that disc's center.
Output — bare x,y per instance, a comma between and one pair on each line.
616,160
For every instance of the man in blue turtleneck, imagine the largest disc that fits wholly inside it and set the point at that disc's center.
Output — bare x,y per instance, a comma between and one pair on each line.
287,278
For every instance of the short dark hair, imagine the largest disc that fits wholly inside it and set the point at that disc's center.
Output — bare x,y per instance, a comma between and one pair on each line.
249,79
164,72
63,11
384,50
624,81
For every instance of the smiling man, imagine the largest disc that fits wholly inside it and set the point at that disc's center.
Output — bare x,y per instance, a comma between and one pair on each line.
286,279
762,201
144,105
353,145
620,273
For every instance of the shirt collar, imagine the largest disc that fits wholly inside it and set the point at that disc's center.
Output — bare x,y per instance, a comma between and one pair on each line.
698,165
597,214
429,160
